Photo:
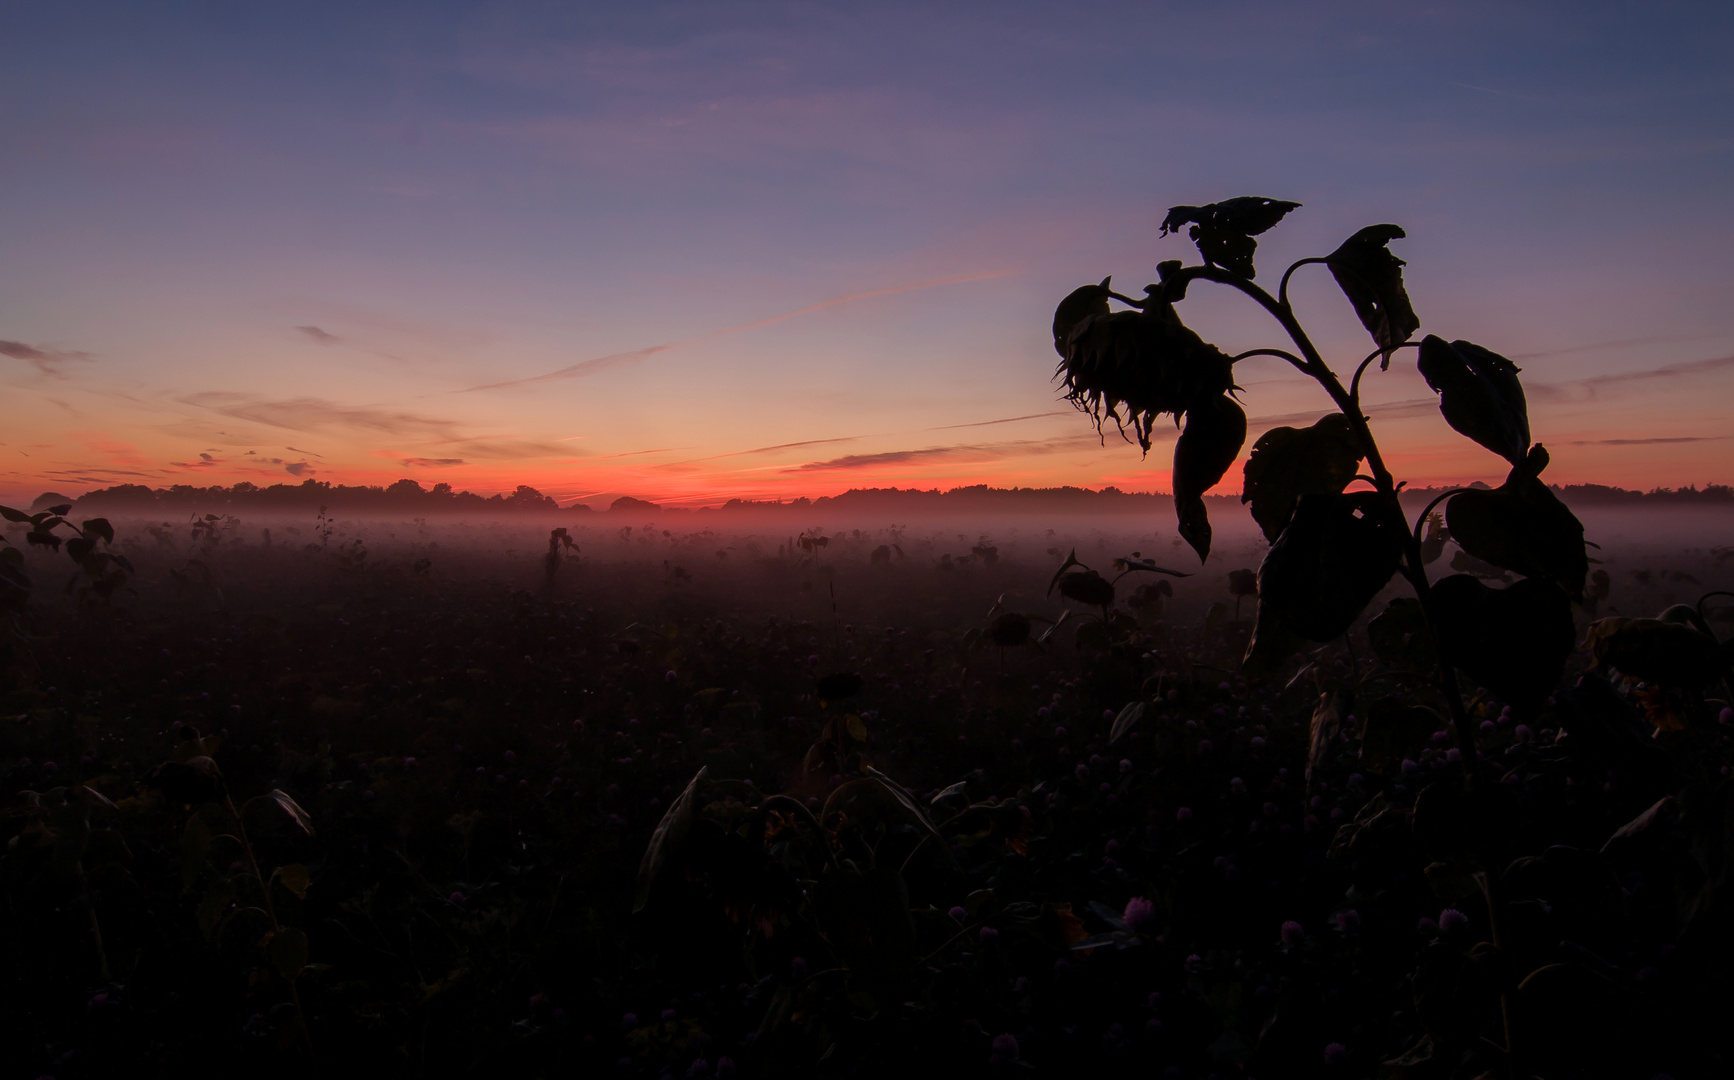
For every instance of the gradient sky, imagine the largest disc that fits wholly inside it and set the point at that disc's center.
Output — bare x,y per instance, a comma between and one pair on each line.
703,250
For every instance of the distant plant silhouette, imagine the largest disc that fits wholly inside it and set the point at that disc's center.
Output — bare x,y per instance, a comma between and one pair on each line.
1332,549
100,572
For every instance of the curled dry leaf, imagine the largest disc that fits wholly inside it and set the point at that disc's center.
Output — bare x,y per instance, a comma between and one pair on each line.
1522,526
1513,641
1334,557
1669,653
667,838
292,808
1224,231
1372,278
1479,395
1131,714
1215,432
1287,463
1327,724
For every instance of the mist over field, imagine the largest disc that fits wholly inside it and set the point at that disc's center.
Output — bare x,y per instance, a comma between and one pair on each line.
729,541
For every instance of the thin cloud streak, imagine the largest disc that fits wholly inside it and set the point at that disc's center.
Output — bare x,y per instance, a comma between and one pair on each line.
963,452
1007,420
46,361
634,357
1659,339
1666,371
1647,442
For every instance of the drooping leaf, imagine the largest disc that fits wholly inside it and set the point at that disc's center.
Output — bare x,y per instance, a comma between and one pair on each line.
1087,587
1334,557
288,951
1287,463
1049,632
99,527
292,808
1327,724
904,799
666,840
1078,305
1146,362
1513,641
1522,526
1372,278
1131,714
1224,231
1215,432
1479,394
1133,563
1071,561
17,517
79,548
1670,653
60,511
953,791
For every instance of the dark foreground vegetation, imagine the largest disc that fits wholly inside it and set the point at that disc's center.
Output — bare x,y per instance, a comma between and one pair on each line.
386,799
390,812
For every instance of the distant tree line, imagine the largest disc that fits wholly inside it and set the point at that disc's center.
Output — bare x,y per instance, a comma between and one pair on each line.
405,496
409,497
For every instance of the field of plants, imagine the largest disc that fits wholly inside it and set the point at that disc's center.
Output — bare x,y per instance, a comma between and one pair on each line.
639,799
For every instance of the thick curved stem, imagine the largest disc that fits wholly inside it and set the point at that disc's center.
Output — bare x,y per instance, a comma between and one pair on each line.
1422,520
1174,286
1282,289
1283,353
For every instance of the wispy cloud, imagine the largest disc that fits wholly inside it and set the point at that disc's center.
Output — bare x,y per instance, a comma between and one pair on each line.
1648,442
1659,339
431,463
1667,371
318,414
959,453
47,361
594,366
319,336
638,356
1006,420
298,468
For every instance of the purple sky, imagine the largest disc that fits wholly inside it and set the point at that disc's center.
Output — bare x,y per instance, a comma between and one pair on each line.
693,251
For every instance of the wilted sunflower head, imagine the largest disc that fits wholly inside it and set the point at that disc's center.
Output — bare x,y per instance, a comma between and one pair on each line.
1144,361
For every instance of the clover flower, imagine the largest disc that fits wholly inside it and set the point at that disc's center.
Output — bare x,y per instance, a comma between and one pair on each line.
1140,914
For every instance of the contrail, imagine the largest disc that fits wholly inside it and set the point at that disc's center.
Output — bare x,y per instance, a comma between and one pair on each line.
637,356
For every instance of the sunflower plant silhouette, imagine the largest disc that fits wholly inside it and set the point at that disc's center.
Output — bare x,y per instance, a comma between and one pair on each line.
1334,549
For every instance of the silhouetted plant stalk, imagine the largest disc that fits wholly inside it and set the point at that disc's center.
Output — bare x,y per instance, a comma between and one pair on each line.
1333,550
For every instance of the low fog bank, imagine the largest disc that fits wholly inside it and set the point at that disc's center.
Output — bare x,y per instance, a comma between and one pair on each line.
805,563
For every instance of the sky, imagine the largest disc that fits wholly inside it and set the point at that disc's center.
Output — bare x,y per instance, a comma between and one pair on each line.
699,251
